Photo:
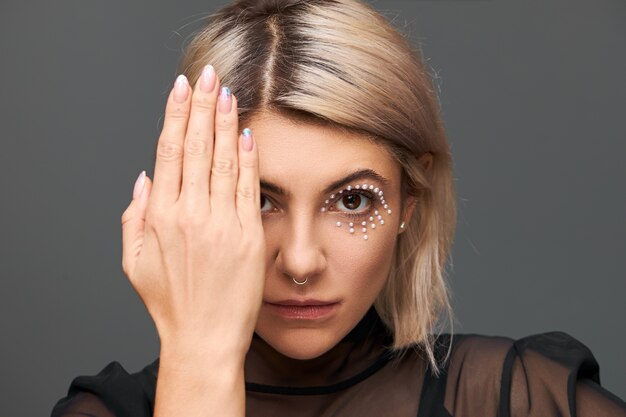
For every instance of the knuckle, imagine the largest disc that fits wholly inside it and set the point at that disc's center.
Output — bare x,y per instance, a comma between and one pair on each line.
125,267
219,238
246,193
223,167
188,219
249,163
225,124
184,222
203,103
157,218
196,147
252,244
177,114
169,151
126,216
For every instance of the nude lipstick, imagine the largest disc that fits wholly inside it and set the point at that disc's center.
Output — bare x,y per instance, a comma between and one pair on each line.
308,309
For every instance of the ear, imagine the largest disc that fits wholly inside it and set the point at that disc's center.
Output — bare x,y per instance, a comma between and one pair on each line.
426,160
407,212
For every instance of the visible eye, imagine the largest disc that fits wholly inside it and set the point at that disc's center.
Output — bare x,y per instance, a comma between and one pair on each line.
264,204
355,203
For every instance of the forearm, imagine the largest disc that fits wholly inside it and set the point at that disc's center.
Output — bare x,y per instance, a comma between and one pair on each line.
199,385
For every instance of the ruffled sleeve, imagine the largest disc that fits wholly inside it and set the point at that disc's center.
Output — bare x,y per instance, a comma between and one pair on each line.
554,374
113,392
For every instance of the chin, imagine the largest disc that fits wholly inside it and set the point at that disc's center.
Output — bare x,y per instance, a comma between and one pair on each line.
301,344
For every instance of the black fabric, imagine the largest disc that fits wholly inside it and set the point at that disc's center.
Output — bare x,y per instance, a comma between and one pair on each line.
561,348
434,387
121,393
548,374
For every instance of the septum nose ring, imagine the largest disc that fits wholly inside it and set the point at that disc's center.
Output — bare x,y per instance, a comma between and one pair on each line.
300,282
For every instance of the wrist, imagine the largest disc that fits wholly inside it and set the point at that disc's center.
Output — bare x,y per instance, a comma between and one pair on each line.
228,348
190,358
196,380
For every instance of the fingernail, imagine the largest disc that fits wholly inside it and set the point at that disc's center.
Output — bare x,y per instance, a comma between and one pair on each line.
225,100
181,89
247,139
207,82
141,181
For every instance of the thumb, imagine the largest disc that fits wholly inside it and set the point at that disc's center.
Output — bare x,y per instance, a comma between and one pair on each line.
133,220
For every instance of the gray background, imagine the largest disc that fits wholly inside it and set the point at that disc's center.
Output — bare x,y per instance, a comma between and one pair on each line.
533,99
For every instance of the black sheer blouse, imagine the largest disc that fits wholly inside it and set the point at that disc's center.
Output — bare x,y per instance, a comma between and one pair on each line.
548,374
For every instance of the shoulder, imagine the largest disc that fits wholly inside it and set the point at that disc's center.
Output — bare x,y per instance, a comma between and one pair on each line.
478,351
124,393
508,374
474,373
493,353
475,352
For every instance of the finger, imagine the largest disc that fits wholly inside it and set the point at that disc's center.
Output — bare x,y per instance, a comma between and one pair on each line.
248,187
199,139
169,159
133,224
223,180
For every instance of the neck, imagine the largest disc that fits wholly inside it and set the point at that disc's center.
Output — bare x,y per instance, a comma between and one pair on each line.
360,348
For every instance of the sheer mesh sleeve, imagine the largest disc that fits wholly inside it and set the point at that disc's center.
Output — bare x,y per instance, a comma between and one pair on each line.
113,392
593,400
555,374
543,375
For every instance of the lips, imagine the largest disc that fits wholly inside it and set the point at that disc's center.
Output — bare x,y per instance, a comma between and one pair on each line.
302,303
307,309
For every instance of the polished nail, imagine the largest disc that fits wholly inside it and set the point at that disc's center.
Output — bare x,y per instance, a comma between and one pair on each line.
181,89
247,139
139,184
207,82
225,100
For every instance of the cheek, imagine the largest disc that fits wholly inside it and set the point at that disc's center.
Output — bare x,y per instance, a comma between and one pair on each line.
360,266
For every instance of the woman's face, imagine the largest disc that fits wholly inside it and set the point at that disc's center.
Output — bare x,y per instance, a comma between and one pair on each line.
308,234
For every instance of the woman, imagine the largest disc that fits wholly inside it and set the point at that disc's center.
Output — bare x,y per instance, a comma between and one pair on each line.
297,268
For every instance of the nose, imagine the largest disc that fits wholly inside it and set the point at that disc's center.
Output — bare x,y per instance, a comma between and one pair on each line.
300,252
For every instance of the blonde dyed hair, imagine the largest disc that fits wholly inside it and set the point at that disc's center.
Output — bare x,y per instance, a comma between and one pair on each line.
341,63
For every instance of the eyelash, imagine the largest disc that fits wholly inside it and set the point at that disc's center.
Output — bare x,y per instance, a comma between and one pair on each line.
352,215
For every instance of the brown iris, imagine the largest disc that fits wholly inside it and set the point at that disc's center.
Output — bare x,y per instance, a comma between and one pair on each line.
352,201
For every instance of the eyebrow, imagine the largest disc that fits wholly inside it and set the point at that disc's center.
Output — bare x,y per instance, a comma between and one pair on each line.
356,175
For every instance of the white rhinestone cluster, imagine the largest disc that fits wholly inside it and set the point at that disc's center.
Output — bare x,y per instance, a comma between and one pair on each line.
377,216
